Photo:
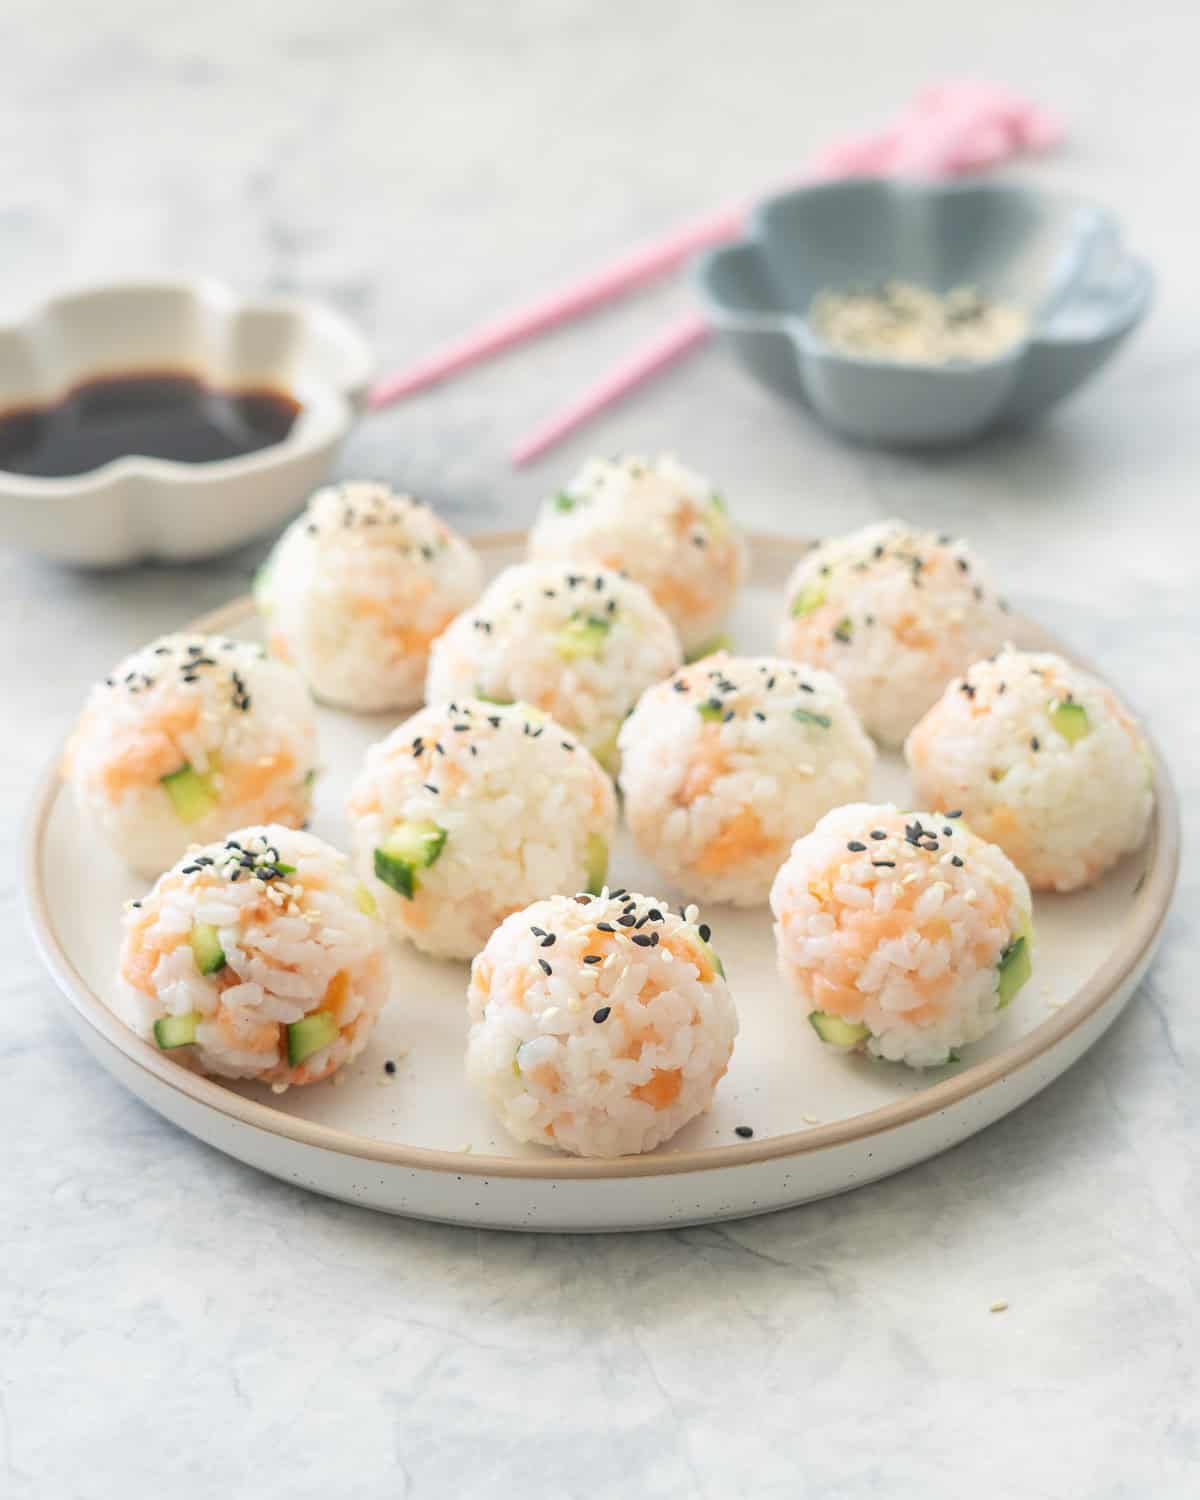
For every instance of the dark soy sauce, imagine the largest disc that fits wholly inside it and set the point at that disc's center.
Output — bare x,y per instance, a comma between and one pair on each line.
151,413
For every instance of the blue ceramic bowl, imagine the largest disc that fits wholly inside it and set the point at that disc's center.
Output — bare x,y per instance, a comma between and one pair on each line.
1059,259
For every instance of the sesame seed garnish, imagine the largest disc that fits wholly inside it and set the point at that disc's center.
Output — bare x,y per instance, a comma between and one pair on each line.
878,833
549,940
705,932
593,958
745,1131
855,847
602,1015
545,967
956,860
1035,743
884,864
605,927
389,1066
955,813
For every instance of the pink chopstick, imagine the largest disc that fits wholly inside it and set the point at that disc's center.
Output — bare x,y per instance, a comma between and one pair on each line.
650,360
952,129
653,259
974,124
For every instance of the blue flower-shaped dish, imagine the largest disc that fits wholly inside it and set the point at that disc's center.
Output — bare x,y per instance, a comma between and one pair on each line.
1058,259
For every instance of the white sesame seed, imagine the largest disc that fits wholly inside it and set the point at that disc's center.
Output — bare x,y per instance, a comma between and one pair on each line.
1000,1305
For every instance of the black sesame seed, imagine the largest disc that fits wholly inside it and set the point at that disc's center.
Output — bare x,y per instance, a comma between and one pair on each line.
878,833
549,940
745,1131
389,1066
605,927
884,864
602,1015
593,958
705,932
429,787
654,914
1035,743
644,939
545,967
626,921
855,847
955,813
956,859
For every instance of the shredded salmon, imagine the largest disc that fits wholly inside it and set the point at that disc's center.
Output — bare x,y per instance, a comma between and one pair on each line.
662,1089
742,838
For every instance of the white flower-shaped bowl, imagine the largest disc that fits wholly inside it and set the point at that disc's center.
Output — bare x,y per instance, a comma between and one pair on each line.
1057,258
137,508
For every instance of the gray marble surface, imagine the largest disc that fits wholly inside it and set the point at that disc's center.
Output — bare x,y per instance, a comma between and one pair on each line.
171,1322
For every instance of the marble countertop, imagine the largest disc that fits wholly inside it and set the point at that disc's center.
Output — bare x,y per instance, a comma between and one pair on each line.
172,1322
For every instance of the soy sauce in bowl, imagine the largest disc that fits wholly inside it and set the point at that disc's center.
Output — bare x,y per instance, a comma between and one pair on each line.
149,413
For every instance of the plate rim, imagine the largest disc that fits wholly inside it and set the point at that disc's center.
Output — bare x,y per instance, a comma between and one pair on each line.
1151,906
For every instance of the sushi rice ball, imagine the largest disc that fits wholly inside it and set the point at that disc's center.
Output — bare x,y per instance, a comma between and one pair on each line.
659,523
895,613
902,934
599,1024
1043,760
579,646
188,738
471,810
728,763
257,957
357,588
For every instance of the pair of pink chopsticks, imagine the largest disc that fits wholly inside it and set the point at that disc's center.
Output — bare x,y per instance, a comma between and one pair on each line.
948,130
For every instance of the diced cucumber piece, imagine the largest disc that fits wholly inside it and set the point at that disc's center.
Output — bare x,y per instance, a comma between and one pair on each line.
1071,721
565,502
409,847
310,778
717,502
261,587
806,716
309,1035
488,698
711,710
607,754
844,630
582,635
596,855
364,900
1013,970
836,1031
192,793
206,948
175,1031
810,597
710,648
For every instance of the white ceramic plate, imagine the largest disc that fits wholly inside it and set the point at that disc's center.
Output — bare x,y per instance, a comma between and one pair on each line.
417,1142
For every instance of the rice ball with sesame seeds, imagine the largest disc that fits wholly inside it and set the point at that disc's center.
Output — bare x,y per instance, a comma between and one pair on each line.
188,738
258,957
895,613
1041,758
902,934
469,811
581,646
661,524
599,1024
728,763
357,588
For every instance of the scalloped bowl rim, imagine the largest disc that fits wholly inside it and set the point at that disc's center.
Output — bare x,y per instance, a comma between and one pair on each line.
329,402
799,328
